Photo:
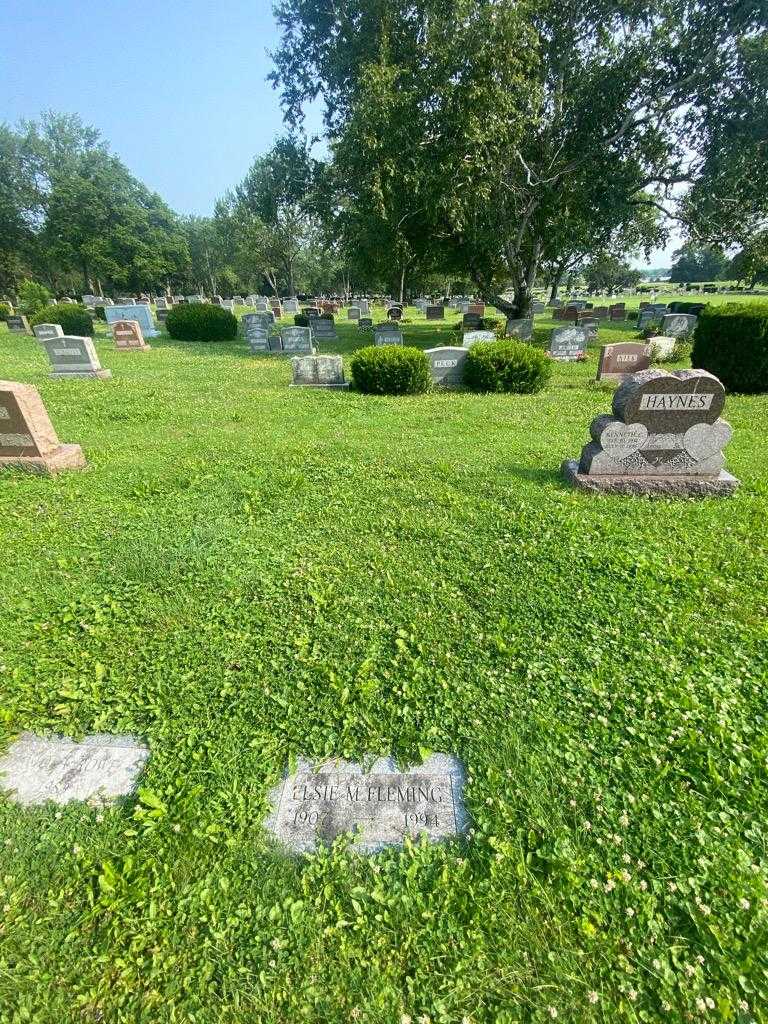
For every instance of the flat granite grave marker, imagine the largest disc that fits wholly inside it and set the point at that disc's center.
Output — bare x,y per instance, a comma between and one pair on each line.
44,332
36,769
625,358
447,365
664,437
378,808
73,356
17,324
27,437
568,344
136,311
127,334
318,372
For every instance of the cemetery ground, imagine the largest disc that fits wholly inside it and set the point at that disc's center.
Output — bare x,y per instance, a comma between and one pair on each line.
247,574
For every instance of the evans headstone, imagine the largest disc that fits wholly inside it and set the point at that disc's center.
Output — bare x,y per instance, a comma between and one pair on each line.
447,365
136,311
27,438
318,372
665,437
127,334
567,344
621,360
380,807
72,356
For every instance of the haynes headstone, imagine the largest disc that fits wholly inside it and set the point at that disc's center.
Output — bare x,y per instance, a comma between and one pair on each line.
27,438
665,437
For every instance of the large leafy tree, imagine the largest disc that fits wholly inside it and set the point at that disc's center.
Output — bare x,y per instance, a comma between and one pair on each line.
750,263
697,263
532,121
268,219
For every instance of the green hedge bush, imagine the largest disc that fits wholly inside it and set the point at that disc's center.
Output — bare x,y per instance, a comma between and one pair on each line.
508,366
5,311
74,318
731,341
201,321
391,370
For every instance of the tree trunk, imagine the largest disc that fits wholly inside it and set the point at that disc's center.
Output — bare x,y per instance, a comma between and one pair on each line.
402,285
87,278
555,286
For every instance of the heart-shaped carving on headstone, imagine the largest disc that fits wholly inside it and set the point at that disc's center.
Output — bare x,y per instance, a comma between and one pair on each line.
617,438
705,439
669,403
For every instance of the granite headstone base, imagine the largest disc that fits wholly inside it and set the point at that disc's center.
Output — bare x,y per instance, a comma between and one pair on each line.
66,456
85,374
722,485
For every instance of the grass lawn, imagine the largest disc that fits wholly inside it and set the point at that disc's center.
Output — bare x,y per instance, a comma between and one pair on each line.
248,573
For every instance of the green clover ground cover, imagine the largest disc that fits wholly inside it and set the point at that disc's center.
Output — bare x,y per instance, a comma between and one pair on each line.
247,573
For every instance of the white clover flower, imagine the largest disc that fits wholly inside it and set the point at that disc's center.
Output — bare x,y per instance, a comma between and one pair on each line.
745,904
630,912
592,997
632,994
552,1012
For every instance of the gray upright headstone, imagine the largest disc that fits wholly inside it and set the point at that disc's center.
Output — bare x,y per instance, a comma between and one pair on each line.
44,332
73,356
447,365
568,343
297,339
522,329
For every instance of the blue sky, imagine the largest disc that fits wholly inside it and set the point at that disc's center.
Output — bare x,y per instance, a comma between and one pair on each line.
177,88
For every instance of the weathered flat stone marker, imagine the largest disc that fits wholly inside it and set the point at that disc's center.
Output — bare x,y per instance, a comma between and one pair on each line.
381,806
27,437
101,768
472,337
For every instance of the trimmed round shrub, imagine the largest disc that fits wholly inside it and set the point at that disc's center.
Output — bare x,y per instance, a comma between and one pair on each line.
391,370
201,321
99,313
731,341
5,311
74,318
509,366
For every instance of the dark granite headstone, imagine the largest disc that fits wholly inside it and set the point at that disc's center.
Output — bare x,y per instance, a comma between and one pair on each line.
621,360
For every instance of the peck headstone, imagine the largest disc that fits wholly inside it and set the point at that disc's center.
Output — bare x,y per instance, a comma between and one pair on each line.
447,365
27,437
18,324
